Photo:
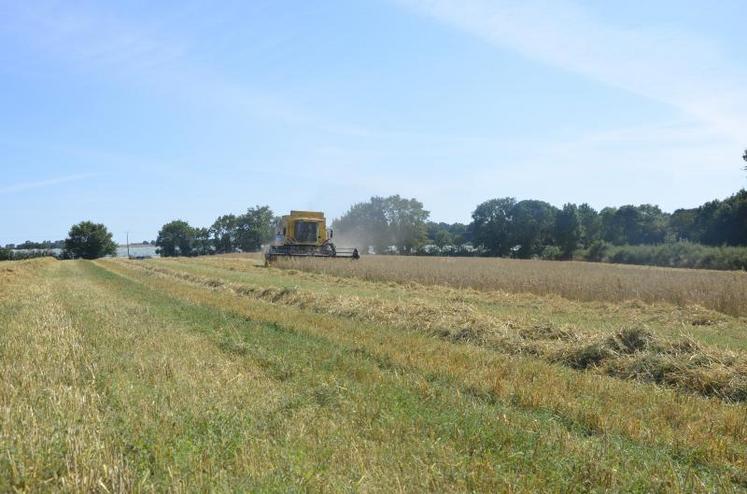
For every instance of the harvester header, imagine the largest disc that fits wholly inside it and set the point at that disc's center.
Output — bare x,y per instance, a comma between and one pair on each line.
305,234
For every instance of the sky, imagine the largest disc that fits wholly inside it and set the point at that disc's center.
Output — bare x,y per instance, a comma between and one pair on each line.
135,113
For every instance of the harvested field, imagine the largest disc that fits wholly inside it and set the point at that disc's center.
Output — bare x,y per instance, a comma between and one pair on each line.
217,373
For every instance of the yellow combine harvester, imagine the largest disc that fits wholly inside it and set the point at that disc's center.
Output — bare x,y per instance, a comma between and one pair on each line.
305,234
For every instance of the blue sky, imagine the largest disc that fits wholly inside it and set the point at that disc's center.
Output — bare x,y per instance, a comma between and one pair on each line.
136,113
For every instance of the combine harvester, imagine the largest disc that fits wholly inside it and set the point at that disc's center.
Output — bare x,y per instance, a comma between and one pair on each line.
305,234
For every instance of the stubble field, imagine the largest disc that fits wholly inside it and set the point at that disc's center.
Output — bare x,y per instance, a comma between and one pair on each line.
392,374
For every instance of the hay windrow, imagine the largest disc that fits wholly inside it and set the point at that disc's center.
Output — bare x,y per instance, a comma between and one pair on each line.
632,353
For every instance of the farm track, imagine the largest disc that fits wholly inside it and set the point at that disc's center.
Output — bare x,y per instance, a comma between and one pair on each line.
190,385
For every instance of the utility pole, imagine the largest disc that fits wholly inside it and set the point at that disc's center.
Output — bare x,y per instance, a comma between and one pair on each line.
128,244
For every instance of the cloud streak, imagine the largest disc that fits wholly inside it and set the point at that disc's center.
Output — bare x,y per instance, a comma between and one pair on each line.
21,187
675,68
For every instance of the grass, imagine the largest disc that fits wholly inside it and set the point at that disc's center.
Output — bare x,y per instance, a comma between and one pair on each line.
718,290
679,361
215,374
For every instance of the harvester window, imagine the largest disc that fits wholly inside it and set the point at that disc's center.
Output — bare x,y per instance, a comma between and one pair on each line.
306,231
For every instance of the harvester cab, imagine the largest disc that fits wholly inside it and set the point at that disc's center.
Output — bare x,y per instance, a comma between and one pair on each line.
305,234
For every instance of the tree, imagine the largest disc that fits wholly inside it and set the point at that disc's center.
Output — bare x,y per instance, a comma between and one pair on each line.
443,237
442,234
254,228
89,240
567,230
406,221
532,225
223,233
491,225
682,225
364,225
384,221
201,243
653,224
723,222
591,224
609,229
175,239
460,233
644,224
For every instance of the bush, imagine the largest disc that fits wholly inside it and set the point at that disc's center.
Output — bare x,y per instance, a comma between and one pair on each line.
597,250
551,253
19,255
675,254
429,250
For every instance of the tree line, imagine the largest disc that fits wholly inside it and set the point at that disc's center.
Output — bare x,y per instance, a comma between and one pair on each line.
528,228
44,245
505,227
85,240
245,232
502,227
711,235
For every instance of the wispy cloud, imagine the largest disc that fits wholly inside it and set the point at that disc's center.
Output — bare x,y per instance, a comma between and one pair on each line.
150,57
676,68
20,187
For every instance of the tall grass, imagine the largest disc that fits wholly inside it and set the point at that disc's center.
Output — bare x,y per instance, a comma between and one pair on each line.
722,291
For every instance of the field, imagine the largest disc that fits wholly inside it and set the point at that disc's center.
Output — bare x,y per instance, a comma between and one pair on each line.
391,374
724,291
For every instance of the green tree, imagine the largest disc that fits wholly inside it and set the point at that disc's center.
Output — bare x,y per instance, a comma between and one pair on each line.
201,242
443,237
532,224
682,225
567,230
491,225
442,234
254,228
610,230
406,222
384,221
175,239
644,224
223,233
364,225
723,222
460,233
591,224
89,240
653,224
